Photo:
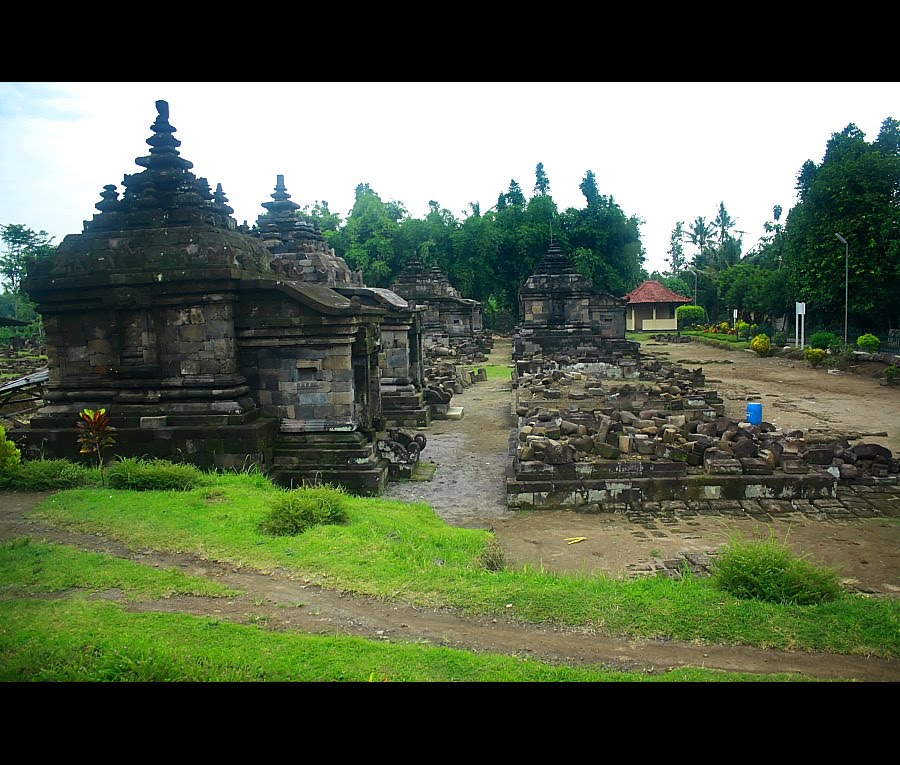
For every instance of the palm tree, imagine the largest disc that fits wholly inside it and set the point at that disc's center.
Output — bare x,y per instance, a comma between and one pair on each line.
700,232
723,224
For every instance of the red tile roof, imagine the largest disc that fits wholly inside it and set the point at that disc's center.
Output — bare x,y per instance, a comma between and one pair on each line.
653,292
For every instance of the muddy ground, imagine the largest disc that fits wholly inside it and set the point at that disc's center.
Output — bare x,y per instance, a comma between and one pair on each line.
467,490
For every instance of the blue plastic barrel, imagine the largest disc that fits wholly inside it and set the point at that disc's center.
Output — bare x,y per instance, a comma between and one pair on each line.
754,413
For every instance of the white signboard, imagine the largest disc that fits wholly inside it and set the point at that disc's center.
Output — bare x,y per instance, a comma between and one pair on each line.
800,325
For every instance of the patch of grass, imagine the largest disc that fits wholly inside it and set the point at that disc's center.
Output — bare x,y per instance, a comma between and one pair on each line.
397,550
423,470
719,339
83,641
767,570
46,475
32,567
152,475
642,337
496,371
491,557
293,512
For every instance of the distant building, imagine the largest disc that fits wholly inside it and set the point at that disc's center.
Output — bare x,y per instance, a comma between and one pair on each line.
651,307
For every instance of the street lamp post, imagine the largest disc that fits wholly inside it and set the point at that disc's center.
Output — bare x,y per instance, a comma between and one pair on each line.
846,280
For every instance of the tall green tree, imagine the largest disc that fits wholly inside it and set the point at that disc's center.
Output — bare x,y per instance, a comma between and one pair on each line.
329,222
700,232
676,249
369,236
855,192
20,245
603,241
514,195
758,292
723,224
541,182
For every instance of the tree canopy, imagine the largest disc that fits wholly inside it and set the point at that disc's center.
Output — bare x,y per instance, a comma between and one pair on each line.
489,255
20,244
854,192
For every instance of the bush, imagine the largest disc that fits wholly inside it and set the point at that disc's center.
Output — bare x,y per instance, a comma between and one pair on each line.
822,340
10,457
742,328
840,354
44,475
690,315
868,343
293,512
815,356
779,339
761,345
892,374
152,475
767,570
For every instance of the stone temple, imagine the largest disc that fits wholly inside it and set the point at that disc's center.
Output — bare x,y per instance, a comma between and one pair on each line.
301,253
212,345
450,320
563,315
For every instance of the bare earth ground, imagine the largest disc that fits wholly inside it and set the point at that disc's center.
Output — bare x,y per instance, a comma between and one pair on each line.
468,491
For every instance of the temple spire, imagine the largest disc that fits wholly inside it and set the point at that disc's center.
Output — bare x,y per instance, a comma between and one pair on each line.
163,145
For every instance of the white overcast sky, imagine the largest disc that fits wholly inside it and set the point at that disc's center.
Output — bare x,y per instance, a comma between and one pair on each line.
665,151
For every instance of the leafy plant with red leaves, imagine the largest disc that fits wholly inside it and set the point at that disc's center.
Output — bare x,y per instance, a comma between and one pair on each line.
96,434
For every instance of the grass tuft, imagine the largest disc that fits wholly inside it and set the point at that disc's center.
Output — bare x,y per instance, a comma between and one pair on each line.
491,557
767,570
293,512
46,475
152,475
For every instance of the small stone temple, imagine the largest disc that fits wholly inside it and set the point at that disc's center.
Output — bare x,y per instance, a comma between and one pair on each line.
207,344
450,320
301,253
562,314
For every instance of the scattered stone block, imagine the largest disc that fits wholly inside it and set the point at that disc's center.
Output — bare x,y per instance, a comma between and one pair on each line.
793,465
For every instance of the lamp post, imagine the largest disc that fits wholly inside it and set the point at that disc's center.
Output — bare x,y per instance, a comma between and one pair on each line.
846,280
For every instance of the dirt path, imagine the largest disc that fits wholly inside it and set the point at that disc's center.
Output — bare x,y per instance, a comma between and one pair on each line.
468,490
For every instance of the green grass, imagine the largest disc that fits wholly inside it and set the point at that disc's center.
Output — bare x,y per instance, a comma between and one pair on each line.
642,337
73,638
46,475
84,641
395,550
28,567
721,340
768,570
152,474
293,512
496,371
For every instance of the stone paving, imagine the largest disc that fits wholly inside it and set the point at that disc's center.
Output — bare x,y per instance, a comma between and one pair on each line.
853,502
